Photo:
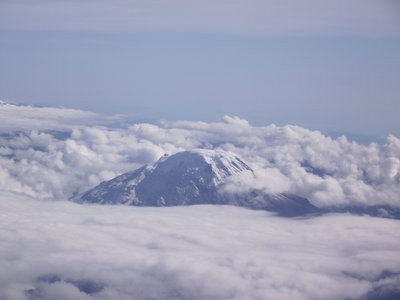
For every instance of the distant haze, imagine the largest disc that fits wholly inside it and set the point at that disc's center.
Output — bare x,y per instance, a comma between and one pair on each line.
332,66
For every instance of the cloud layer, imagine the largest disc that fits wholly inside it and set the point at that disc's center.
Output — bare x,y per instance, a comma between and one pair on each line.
62,250
25,118
60,164
55,249
243,17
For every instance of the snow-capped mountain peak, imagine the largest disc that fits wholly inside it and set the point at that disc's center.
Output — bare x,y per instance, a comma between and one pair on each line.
206,163
191,177
186,177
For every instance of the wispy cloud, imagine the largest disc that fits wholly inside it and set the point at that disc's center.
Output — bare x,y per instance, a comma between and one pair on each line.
239,17
26,118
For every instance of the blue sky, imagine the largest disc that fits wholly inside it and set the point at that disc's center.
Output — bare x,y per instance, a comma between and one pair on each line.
299,62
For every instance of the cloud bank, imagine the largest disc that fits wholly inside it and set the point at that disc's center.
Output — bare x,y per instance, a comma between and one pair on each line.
50,164
61,250
56,249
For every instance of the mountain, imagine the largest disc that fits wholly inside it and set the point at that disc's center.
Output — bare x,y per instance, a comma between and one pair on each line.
382,211
188,178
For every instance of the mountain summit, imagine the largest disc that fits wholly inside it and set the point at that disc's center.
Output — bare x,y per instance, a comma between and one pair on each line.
187,178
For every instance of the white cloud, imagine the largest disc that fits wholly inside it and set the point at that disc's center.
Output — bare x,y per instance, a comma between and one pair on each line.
269,180
25,117
289,159
61,250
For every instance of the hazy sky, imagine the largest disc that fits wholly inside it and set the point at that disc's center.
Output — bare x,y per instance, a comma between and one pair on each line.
329,65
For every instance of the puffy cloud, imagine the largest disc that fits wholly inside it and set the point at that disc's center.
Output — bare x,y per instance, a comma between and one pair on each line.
269,180
62,250
329,172
65,167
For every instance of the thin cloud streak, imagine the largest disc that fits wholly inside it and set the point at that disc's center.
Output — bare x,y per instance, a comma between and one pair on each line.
238,17
26,118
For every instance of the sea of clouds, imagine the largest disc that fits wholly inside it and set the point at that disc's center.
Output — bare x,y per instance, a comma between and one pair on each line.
63,250
56,249
48,154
